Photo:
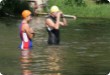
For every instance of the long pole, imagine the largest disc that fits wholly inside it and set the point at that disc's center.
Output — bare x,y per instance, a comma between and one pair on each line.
65,15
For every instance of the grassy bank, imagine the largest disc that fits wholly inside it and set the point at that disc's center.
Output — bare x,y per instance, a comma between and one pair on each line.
89,10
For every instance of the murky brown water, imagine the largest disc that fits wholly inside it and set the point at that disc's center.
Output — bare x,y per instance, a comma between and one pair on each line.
84,49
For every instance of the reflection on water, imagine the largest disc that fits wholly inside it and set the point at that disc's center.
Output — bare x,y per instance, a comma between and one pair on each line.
84,49
25,61
48,61
54,60
44,59
80,53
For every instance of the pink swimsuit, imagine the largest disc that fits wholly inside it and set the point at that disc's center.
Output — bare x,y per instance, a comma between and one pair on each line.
26,43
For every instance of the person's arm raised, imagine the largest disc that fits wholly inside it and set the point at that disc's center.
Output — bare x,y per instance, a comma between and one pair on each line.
56,25
64,22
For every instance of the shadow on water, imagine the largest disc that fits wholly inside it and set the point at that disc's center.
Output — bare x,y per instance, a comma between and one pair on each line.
84,49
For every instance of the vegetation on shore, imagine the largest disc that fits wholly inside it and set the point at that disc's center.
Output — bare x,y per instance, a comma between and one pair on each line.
80,8
13,7
86,8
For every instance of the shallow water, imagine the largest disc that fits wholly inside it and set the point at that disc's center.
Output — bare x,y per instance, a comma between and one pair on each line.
84,49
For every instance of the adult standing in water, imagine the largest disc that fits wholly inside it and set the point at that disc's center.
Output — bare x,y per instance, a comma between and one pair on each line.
53,23
26,34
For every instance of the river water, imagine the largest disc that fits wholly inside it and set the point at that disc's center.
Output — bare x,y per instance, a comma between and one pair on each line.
84,48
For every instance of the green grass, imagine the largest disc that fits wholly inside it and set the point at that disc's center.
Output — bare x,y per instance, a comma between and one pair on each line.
89,10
